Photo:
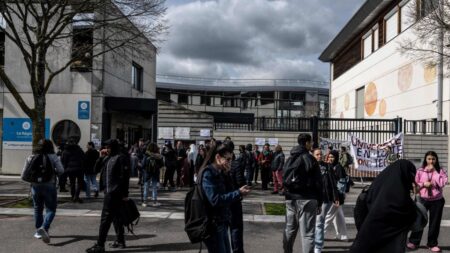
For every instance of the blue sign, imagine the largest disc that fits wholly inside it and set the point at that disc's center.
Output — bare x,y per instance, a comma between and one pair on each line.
84,109
21,129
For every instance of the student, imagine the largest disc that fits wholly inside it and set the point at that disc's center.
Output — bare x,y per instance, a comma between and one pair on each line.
391,211
90,175
431,179
151,165
277,170
44,194
214,185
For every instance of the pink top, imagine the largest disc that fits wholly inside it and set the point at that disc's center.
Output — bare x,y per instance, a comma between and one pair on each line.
438,181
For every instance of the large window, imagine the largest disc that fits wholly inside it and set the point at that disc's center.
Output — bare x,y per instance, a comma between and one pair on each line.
376,36
360,103
426,6
367,44
391,24
64,130
266,97
183,99
407,14
205,100
137,74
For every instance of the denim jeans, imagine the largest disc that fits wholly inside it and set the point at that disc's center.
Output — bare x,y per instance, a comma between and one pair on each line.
44,195
320,224
154,179
300,214
90,179
219,241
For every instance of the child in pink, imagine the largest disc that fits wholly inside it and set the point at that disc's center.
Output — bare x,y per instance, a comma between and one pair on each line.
431,179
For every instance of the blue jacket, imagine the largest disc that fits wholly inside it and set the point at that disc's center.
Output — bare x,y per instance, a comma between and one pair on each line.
214,185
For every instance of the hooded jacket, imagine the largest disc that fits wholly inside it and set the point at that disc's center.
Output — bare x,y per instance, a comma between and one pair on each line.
72,158
158,163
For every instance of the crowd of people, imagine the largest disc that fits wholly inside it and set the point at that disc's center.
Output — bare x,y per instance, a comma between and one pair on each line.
314,186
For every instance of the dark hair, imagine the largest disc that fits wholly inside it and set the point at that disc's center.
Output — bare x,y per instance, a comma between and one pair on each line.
217,147
249,147
241,148
114,145
314,150
437,165
44,146
91,144
153,148
303,138
343,148
335,154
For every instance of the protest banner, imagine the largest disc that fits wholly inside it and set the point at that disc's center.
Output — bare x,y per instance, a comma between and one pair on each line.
324,143
372,156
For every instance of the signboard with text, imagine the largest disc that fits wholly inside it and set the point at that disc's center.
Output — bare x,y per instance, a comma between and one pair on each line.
18,133
84,109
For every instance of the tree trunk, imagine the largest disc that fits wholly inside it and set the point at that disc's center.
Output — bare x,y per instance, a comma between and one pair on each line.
38,120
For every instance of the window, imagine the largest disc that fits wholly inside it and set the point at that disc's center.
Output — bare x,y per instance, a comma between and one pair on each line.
391,25
65,129
376,37
427,6
407,14
266,97
360,103
205,100
2,49
183,99
367,44
82,46
136,77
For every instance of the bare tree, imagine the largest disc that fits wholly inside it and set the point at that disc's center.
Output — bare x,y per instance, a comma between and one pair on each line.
38,28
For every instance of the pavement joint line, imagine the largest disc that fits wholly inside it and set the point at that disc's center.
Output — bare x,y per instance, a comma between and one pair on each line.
162,215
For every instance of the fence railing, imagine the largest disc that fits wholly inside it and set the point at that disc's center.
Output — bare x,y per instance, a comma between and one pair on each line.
423,127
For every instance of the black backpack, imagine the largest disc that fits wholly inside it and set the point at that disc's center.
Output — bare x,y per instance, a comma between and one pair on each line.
39,170
129,215
295,177
198,222
361,210
152,165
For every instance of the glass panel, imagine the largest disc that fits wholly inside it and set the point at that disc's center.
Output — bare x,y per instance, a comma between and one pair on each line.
64,130
375,39
367,46
407,15
391,27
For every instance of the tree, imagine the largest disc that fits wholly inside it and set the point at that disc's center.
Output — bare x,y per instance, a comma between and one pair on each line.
40,28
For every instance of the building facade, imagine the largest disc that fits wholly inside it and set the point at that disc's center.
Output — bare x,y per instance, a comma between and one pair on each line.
110,96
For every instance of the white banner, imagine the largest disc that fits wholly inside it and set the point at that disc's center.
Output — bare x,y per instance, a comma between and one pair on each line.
205,132
273,141
372,157
165,133
260,141
182,133
324,143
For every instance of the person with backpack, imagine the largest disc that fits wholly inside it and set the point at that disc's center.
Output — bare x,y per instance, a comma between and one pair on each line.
41,170
152,163
73,161
277,170
336,214
303,192
114,181
431,179
265,161
345,159
391,211
219,199
90,175
330,198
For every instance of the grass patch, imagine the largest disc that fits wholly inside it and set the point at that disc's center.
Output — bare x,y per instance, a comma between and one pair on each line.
275,208
24,203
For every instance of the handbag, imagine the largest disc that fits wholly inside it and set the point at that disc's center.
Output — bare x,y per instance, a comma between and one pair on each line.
421,216
129,215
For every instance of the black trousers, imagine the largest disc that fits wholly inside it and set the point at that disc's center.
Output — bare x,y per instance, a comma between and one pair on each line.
168,176
256,171
76,179
237,227
265,176
434,223
110,214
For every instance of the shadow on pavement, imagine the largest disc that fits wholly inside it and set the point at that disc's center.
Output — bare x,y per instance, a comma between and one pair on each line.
77,238
176,246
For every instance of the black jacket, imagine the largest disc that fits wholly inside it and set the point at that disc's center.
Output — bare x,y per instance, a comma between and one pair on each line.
170,158
314,190
330,192
278,161
115,175
72,158
91,157
237,171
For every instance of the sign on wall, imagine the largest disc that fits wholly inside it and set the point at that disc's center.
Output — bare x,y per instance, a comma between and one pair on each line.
372,156
165,133
83,109
205,132
18,133
273,141
324,143
260,141
182,133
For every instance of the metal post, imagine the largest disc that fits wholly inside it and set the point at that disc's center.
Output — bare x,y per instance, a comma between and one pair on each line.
315,131
440,73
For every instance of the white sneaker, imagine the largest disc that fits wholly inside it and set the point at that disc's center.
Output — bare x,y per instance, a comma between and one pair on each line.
156,204
344,238
37,236
316,250
44,235
144,204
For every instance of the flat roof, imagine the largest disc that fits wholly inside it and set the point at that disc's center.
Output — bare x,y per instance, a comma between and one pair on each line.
206,84
360,20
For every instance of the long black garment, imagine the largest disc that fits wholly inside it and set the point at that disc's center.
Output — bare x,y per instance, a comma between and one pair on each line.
391,211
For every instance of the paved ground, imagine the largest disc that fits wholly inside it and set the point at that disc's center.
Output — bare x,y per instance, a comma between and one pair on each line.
160,229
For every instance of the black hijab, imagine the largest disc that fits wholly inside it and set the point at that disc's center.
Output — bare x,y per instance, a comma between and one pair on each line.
391,209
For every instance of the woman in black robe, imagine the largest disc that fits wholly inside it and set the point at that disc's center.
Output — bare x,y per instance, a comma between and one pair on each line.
391,211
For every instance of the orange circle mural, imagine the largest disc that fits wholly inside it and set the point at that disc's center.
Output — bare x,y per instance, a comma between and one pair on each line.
382,108
346,102
370,98
405,77
429,73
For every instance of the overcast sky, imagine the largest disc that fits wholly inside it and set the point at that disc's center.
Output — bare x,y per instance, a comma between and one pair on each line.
261,39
